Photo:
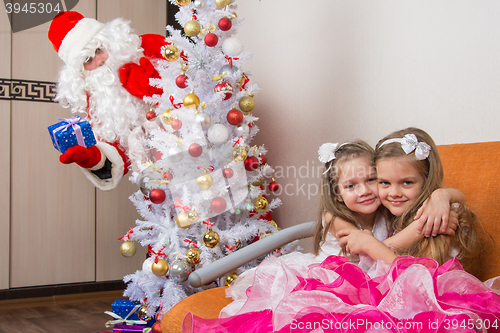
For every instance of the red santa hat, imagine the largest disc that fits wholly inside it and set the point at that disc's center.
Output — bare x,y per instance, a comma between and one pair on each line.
69,32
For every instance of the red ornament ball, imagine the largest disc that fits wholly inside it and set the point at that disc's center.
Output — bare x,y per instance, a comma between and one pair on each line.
181,81
225,24
273,186
195,150
150,115
251,163
227,173
218,205
226,88
168,175
211,39
263,159
156,328
176,124
235,117
157,196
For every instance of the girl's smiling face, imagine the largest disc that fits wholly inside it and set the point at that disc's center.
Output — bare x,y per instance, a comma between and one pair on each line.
399,183
357,185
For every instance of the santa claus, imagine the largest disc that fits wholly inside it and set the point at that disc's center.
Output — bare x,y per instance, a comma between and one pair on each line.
106,75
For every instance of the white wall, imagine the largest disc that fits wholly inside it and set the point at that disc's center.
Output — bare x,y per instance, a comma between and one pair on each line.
337,70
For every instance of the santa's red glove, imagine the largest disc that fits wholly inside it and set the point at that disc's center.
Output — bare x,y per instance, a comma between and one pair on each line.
84,157
135,78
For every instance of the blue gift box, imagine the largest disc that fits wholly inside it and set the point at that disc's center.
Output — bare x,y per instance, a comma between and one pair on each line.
123,308
71,132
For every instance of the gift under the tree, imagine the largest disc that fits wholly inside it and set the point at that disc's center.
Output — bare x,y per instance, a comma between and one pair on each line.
71,132
128,328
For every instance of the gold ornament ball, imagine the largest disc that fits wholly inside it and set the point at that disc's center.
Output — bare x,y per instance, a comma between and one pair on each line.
193,256
182,3
258,182
239,154
192,28
171,53
142,313
160,268
127,249
246,104
182,220
166,117
192,216
204,181
229,279
211,239
191,101
222,3
260,204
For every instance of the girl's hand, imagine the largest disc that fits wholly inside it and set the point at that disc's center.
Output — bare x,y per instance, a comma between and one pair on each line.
434,214
356,242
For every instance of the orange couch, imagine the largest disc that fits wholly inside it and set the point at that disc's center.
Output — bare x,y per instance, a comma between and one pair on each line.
472,168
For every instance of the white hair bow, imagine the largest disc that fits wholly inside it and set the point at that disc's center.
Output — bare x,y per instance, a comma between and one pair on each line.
410,143
326,151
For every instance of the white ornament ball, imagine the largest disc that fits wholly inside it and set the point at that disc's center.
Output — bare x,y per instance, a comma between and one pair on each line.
147,266
241,130
218,133
174,154
198,3
203,119
232,46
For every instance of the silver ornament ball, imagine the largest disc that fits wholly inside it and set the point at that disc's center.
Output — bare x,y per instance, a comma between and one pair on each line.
228,69
180,270
241,130
203,119
174,154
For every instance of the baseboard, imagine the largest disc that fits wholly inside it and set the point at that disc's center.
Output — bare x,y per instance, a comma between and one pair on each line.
58,290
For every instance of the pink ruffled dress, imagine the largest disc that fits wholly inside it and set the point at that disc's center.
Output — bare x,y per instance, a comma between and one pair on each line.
303,293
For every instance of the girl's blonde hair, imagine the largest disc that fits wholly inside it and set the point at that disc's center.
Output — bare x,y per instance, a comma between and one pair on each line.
330,191
466,236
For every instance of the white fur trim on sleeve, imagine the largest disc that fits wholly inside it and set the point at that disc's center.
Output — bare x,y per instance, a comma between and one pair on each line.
76,39
117,168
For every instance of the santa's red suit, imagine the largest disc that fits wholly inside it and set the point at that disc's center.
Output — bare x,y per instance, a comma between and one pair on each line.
110,95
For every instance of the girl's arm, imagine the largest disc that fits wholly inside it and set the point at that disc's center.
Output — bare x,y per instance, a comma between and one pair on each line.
363,242
435,211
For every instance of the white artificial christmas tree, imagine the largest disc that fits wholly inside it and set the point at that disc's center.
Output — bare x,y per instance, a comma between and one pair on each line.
201,195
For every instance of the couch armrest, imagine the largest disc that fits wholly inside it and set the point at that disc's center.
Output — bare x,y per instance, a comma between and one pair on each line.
250,252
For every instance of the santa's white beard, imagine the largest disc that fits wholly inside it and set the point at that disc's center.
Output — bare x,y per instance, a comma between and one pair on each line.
114,113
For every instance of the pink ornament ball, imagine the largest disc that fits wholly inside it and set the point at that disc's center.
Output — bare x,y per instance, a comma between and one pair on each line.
195,150
157,196
251,163
181,81
225,24
211,39
168,175
176,124
218,205
227,173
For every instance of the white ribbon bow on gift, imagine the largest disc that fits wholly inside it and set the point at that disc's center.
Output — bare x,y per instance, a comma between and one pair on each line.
410,143
119,320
